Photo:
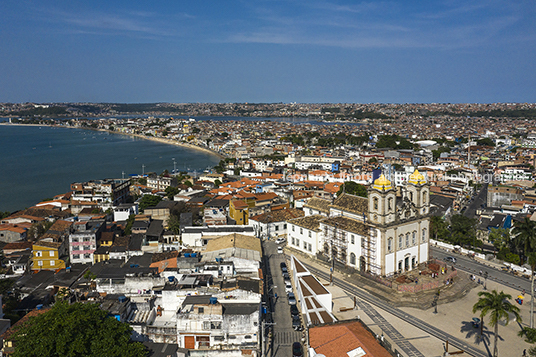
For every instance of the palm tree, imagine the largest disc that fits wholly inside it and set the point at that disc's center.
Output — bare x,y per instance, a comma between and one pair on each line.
525,235
532,263
499,307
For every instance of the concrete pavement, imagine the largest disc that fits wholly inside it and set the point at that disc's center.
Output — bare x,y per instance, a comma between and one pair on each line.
453,316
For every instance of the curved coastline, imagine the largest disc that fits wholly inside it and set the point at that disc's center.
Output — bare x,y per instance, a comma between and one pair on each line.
153,138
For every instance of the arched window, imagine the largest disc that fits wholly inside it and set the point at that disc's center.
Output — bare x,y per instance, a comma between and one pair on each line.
389,244
390,203
414,237
424,234
375,200
400,238
352,258
424,198
407,239
411,196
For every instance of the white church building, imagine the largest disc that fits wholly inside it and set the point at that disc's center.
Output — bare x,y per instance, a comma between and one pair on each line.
382,234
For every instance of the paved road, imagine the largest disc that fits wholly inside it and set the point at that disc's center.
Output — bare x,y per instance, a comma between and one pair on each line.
283,333
480,199
432,330
474,266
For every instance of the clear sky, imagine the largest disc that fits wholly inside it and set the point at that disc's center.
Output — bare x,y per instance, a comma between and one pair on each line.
268,51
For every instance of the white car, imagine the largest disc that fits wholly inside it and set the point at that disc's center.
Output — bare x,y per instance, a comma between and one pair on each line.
288,287
280,250
280,240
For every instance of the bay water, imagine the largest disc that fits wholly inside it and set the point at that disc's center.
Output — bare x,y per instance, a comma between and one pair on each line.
40,162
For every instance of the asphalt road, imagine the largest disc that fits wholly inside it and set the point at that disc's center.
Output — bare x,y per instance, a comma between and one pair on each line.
283,333
474,266
480,199
427,328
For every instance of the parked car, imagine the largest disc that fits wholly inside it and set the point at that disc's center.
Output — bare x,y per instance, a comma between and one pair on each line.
284,268
280,240
297,350
294,311
279,250
291,299
296,323
288,286
450,259
286,277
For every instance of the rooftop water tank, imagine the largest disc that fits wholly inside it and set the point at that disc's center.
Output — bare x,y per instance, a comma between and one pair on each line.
171,279
122,298
187,255
213,300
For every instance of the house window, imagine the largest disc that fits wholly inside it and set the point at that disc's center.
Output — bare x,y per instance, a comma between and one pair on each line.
389,244
413,238
39,253
352,238
297,242
407,239
293,228
310,211
87,256
276,227
52,263
375,200
301,230
352,258
362,243
76,256
51,253
285,226
424,234
40,263
293,242
304,245
75,240
201,310
310,247
310,234
400,238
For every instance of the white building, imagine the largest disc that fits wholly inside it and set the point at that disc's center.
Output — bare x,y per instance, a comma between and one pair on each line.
381,234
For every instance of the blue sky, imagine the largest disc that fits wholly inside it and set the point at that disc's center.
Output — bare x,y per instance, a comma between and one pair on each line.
268,51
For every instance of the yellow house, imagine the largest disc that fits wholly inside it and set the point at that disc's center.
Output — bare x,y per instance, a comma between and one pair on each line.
239,211
45,256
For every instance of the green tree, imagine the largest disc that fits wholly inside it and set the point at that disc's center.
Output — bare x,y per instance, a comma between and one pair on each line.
149,201
174,224
438,228
217,183
525,235
532,263
75,330
463,230
353,188
171,192
130,222
499,307
500,237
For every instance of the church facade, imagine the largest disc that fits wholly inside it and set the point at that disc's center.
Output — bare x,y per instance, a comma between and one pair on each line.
383,234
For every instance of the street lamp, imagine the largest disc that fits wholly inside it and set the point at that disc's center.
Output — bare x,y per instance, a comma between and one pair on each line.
485,279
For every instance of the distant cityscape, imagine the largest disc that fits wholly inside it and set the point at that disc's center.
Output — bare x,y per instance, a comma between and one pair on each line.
300,229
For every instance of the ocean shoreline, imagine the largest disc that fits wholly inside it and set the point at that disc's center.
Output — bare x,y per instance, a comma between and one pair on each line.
152,138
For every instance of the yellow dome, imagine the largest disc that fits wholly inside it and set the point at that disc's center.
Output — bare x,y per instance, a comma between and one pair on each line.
381,183
417,178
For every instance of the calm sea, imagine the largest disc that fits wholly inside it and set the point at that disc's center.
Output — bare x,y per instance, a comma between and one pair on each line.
40,162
